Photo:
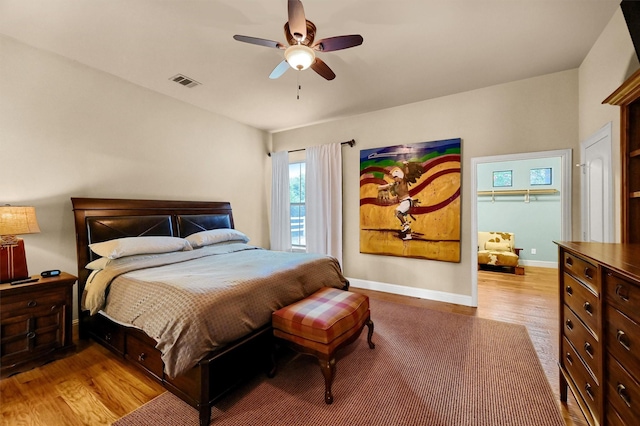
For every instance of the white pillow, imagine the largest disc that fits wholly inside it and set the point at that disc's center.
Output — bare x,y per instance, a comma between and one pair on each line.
99,263
121,247
215,236
500,246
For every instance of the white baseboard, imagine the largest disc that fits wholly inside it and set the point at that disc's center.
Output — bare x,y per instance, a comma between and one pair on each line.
421,293
539,263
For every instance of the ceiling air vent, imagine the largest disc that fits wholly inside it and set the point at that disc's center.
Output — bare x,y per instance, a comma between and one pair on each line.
185,81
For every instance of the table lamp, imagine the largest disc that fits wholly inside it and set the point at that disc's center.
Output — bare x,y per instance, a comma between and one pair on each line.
15,220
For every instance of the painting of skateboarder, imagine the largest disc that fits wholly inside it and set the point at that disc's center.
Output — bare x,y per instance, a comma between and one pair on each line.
410,200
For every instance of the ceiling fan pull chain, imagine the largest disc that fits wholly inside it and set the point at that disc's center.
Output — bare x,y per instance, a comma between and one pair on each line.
299,86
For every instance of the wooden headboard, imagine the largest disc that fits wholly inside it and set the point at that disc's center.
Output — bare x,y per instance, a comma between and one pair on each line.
101,219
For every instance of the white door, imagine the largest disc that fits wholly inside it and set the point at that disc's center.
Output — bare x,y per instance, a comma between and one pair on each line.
597,187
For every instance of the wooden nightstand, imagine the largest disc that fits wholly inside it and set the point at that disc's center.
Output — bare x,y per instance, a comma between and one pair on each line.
35,323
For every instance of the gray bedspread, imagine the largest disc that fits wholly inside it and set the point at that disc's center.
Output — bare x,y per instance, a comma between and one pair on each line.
195,301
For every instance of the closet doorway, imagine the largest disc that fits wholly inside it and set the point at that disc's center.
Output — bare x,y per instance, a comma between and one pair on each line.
565,160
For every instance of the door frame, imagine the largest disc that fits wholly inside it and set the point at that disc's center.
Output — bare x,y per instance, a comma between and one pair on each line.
565,200
604,133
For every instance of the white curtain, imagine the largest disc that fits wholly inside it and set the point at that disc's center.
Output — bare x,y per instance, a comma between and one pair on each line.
324,200
280,211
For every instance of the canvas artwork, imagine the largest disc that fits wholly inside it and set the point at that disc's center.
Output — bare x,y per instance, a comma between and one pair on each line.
410,200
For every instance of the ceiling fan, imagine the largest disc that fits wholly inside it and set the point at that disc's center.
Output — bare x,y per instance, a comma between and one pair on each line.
301,52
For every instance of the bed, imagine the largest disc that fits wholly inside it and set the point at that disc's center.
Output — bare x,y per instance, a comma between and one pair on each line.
227,290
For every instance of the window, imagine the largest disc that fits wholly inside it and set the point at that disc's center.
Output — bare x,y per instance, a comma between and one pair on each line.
297,201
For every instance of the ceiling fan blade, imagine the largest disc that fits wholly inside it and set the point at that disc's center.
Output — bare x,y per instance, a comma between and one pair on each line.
323,69
338,43
259,41
279,70
297,20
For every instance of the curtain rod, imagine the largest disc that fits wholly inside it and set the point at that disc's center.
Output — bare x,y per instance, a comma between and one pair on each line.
351,143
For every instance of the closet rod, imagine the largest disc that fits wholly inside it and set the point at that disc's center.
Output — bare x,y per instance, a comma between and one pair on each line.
351,143
519,192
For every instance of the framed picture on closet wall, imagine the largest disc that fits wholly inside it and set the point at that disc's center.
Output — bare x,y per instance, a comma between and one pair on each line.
540,176
502,178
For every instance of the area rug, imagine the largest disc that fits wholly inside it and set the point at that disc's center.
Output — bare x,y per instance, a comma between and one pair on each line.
428,368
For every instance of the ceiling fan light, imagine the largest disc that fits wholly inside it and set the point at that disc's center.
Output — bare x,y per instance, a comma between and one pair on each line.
299,57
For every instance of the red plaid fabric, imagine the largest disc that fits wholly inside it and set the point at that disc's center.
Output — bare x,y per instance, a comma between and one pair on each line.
323,317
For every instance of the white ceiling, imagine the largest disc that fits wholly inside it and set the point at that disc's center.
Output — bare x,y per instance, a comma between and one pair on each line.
413,49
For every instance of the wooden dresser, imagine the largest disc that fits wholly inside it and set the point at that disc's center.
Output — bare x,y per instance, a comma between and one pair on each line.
600,330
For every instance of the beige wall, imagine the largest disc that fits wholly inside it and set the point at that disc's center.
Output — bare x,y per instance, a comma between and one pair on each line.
71,131
537,114
610,62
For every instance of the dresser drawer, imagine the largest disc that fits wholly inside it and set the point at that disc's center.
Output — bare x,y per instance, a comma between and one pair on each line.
623,339
589,390
142,351
623,392
583,302
586,345
582,270
622,294
20,304
612,416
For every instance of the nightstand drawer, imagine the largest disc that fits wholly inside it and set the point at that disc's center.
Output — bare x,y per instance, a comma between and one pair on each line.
144,353
583,341
28,334
582,302
25,303
582,270
624,392
587,387
623,338
623,295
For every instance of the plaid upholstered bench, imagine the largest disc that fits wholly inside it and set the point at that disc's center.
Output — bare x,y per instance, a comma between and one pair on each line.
321,324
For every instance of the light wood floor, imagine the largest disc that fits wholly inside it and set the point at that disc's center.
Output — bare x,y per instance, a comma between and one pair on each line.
94,387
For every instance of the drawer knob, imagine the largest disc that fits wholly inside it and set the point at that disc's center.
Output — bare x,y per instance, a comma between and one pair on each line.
588,308
31,335
107,337
569,290
588,349
569,359
623,394
623,339
32,304
588,273
589,391
142,357
568,261
569,324
622,292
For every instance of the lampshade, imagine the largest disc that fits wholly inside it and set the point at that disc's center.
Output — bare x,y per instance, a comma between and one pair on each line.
299,57
17,220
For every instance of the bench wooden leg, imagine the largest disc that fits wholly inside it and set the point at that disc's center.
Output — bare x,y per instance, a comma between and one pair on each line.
370,334
205,415
328,367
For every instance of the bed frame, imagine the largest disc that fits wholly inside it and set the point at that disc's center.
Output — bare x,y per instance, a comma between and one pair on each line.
220,371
